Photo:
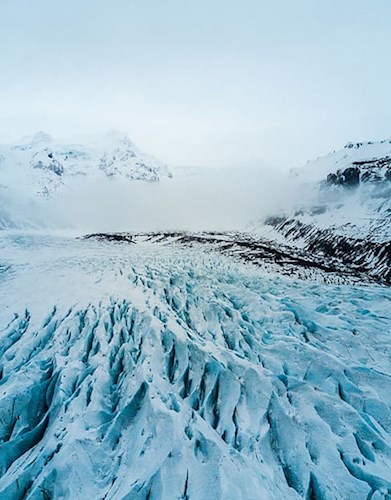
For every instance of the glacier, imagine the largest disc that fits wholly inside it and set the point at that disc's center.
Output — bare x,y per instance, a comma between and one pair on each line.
142,370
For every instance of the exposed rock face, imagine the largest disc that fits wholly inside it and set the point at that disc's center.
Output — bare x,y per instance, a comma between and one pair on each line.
46,160
359,254
378,170
349,177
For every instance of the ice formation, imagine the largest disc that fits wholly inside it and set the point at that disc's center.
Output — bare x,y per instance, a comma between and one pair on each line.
135,371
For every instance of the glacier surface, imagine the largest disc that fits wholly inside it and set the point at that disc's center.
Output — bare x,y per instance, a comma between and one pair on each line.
147,371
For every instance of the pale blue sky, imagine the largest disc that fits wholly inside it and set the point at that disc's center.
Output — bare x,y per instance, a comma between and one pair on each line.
209,82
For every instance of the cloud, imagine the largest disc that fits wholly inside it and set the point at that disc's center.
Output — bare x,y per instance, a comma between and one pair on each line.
195,199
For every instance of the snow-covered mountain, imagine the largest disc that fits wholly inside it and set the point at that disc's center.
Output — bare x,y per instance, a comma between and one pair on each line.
218,365
345,212
42,167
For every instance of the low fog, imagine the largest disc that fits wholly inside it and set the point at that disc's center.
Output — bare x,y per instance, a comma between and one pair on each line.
195,199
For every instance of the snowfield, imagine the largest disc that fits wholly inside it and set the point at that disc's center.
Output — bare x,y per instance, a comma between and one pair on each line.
153,371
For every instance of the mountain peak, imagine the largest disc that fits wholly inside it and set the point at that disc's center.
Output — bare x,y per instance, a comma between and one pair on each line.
118,136
48,165
41,137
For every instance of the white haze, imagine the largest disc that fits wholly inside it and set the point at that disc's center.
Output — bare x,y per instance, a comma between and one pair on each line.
194,200
204,200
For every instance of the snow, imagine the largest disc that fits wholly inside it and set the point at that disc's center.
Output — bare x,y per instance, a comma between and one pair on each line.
317,170
358,212
152,371
42,167
193,365
341,209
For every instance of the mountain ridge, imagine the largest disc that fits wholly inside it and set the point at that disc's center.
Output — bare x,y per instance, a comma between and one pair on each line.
44,166
346,212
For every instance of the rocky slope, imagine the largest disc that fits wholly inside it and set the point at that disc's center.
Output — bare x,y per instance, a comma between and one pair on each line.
346,214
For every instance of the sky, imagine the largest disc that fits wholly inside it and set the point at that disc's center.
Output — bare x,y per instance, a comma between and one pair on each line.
210,83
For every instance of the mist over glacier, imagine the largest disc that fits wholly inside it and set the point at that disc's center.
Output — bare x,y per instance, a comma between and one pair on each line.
193,199
105,183
201,199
